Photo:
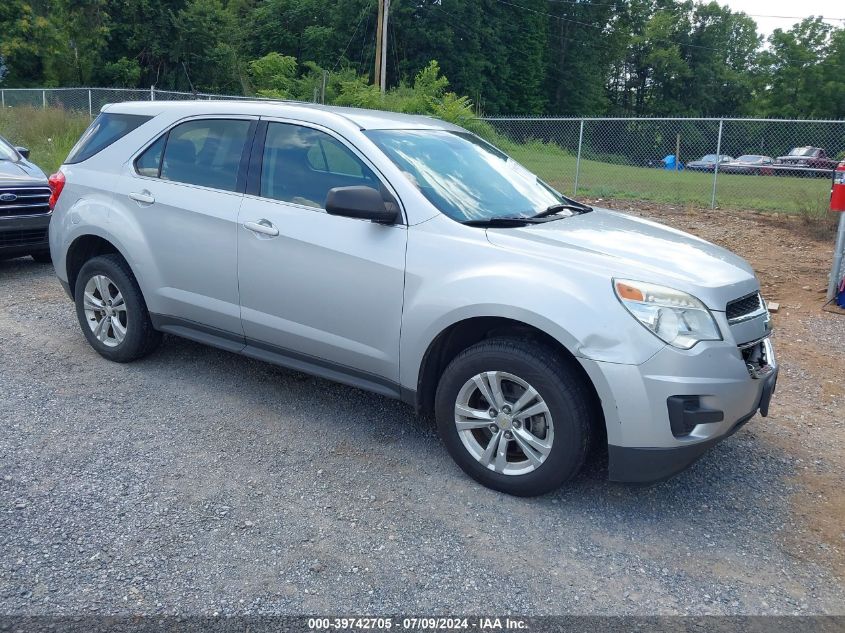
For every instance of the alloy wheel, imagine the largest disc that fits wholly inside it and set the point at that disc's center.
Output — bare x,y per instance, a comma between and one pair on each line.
105,310
504,423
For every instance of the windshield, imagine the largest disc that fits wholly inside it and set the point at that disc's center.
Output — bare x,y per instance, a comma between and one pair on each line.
463,176
7,152
710,158
803,151
750,158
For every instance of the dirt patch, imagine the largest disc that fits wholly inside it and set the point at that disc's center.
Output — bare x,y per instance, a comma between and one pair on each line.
792,258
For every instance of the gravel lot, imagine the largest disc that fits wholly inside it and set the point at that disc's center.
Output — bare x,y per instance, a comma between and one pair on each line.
200,482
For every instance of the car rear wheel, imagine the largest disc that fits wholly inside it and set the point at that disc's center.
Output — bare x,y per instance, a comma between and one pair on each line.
514,416
111,310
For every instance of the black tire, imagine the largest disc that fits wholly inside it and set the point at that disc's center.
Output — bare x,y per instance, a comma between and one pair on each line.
140,338
561,387
42,257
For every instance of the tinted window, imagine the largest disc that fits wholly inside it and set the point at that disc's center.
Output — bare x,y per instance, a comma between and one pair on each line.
206,152
301,164
149,163
7,152
103,131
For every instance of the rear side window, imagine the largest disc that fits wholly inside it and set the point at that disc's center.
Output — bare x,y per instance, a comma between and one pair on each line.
205,152
103,131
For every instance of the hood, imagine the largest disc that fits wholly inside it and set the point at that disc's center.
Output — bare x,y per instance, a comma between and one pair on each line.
20,173
620,245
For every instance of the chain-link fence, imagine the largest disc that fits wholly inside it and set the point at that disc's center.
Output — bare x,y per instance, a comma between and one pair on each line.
91,100
773,165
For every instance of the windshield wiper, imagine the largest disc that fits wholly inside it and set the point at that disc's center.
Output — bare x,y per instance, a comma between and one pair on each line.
570,205
502,222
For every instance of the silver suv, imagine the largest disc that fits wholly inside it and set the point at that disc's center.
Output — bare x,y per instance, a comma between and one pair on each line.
409,257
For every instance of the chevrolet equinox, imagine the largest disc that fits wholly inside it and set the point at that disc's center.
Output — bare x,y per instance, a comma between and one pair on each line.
409,257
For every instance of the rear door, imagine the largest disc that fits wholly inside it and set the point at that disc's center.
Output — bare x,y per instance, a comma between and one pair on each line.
323,290
186,188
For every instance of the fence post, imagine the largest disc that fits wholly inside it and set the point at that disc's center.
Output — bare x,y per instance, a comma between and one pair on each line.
578,159
44,99
718,161
90,108
152,93
3,97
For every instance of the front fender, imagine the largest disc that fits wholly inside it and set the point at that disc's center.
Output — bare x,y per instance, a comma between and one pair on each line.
454,277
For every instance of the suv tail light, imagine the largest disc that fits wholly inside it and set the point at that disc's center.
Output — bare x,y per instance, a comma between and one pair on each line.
57,183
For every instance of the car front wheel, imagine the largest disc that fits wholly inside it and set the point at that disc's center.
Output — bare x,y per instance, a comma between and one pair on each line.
514,415
112,311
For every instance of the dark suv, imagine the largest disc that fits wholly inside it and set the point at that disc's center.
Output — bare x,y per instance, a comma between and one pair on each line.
24,205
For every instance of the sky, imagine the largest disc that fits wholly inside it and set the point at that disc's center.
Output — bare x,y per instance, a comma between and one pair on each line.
801,9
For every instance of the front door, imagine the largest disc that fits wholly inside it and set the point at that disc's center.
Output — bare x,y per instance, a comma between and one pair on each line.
320,289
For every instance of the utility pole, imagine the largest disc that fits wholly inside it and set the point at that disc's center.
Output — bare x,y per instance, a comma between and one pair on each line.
381,44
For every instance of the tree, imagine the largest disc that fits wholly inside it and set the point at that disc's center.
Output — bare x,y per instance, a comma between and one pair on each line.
792,83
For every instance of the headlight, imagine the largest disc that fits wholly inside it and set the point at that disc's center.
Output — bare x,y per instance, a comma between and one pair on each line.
673,316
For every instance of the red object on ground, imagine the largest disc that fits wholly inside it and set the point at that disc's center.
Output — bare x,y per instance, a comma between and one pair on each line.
837,195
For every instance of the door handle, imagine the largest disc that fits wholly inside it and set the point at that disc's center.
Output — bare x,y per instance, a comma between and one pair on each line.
264,227
144,197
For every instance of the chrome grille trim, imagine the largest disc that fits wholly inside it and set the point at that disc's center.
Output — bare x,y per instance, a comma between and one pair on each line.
28,202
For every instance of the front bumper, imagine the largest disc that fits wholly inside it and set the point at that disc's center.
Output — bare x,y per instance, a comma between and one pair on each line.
649,465
23,235
645,441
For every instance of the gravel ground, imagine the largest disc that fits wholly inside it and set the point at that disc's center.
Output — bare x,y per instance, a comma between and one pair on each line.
200,482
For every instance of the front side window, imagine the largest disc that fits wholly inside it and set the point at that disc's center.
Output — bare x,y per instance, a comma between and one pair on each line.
103,131
301,164
464,177
206,152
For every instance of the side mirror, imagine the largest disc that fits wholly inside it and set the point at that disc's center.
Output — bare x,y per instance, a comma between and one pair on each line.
364,203
23,151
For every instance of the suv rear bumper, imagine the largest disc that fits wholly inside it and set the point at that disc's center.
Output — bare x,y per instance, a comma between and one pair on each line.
649,439
23,235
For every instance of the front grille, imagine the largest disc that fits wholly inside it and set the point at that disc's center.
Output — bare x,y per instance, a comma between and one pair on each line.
21,201
744,306
23,238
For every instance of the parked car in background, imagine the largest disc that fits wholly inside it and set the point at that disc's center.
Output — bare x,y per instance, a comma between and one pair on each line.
24,205
405,255
749,164
708,162
806,161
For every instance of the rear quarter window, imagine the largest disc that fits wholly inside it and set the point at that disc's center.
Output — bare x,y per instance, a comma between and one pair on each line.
103,131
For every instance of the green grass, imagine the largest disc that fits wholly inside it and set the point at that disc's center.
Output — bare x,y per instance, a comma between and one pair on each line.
48,133
805,196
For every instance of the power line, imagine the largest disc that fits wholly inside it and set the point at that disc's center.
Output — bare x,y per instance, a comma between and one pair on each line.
588,3
601,28
354,33
791,17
